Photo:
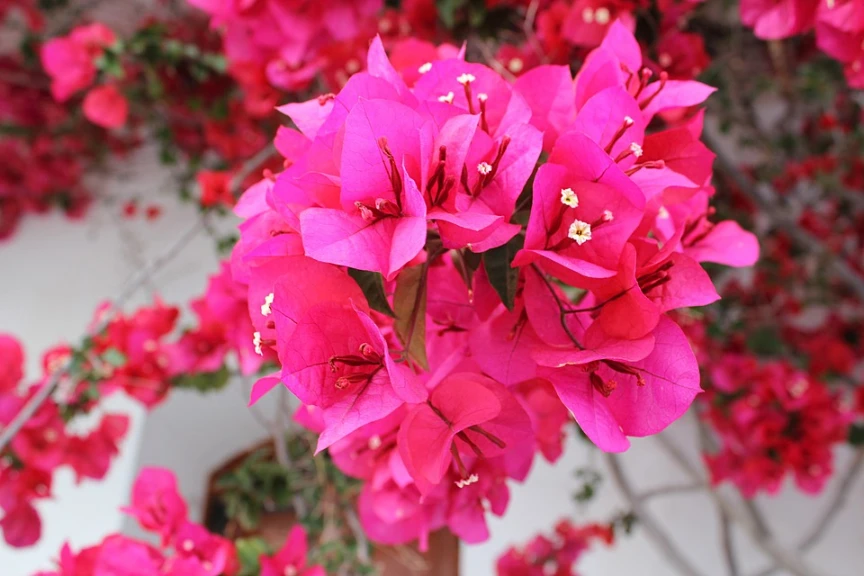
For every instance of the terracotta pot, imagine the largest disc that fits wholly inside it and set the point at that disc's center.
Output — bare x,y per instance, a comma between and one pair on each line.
442,559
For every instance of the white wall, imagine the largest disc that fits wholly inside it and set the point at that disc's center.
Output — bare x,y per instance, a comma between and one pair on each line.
56,272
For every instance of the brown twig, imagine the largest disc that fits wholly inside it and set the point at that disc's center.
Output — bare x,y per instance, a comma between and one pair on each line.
646,520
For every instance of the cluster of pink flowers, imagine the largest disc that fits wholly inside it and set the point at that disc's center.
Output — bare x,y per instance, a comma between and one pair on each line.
838,24
564,29
42,446
184,547
70,62
288,45
440,378
136,354
555,556
772,420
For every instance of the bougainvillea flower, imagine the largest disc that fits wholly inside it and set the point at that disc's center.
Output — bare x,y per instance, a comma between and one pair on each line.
615,397
337,359
215,554
21,525
550,92
360,452
585,209
381,225
469,504
90,456
156,503
121,556
589,20
106,106
469,408
649,282
70,60
11,363
548,416
291,558
776,19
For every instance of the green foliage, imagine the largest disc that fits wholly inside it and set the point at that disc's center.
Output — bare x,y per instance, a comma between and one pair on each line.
502,275
312,488
205,381
249,552
856,435
409,303
589,481
372,285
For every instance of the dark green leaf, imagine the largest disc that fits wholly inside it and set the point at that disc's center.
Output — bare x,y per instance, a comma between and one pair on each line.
204,382
447,11
501,275
249,550
409,302
856,434
372,285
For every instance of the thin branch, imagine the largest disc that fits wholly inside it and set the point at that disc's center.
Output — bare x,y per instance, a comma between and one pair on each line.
652,529
669,490
137,281
784,558
766,198
132,287
359,535
728,545
837,503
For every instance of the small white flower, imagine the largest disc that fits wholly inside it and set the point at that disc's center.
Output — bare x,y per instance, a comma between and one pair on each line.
515,65
636,149
484,168
266,310
569,198
663,213
467,481
446,98
665,60
465,78
588,15
608,216
256,340
352,66
830,3
579,231
188,545
425,68
602,15
374,442
628,121
289,571
482,97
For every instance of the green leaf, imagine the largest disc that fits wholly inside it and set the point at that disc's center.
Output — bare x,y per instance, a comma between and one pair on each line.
204,382
249,552
447,11
856,434
409,302
502,276
114,357
372,285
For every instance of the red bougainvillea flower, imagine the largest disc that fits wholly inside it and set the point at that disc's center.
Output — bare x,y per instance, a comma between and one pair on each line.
615,391
775,19
215,187
70,60
11,363
291,558
156,503
467,415
106,106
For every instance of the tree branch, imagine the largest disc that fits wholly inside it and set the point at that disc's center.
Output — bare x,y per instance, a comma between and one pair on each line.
782,557
652,529
766,198
728,545
132,287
